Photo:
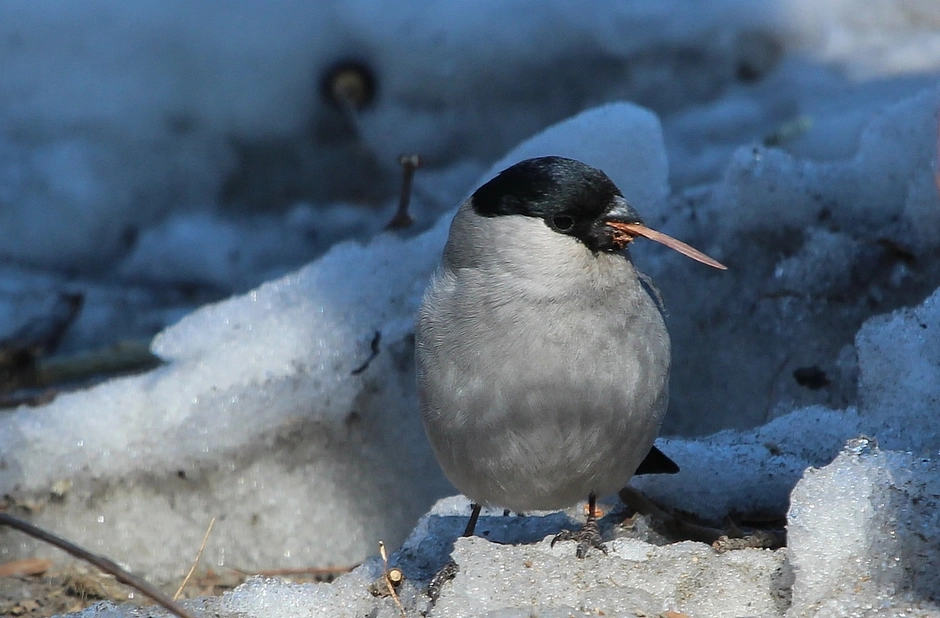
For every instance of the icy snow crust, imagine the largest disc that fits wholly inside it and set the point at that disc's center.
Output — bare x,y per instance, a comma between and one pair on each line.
270,411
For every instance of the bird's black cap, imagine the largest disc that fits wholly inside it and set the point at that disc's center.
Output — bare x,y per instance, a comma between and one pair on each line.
572,198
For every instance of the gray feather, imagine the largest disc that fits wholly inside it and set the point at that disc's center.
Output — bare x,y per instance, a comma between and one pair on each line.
543,367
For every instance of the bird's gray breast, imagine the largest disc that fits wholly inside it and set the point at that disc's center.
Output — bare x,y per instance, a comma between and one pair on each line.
542,379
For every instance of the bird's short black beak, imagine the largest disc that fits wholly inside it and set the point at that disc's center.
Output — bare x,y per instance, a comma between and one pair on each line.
615,223
622,212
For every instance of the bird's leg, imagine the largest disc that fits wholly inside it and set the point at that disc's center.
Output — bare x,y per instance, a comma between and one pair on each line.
472,523
450,568
589,535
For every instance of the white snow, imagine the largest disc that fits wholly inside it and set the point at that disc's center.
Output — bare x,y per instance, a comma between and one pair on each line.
269,370
155,160
860,535
899,370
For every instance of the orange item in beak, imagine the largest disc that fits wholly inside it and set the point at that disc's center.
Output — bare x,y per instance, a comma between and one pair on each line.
626,232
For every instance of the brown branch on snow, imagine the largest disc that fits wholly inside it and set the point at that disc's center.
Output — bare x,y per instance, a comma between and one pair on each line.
108,566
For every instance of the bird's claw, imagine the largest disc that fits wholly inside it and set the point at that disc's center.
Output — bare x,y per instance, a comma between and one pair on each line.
589,536
445,574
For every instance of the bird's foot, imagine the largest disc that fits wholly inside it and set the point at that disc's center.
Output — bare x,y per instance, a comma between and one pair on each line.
445,574
589,536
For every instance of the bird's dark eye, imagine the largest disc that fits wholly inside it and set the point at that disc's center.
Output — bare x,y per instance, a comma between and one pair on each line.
562,223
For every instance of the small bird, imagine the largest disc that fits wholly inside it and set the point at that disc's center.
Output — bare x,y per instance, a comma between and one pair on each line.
542,353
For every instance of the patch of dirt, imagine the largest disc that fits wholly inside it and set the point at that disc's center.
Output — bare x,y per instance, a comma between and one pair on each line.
73,588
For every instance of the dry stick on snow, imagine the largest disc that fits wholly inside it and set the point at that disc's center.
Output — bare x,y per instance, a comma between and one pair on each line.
639,503
106,565
401,220
202,547
392,577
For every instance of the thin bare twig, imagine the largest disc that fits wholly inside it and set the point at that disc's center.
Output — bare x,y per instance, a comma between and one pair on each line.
106,565
638,502
392,578
202,547
409,163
